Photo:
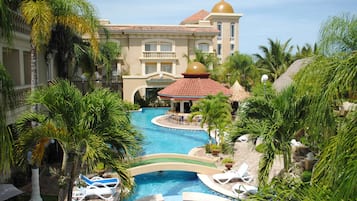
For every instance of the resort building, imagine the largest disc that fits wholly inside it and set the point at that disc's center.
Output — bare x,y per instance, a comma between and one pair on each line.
16,57
154,56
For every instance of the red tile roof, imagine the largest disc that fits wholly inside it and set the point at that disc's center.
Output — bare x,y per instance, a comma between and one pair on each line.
193,89
161,29
193,19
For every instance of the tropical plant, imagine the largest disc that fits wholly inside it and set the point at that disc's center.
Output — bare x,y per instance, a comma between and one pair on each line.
89,61
339,34
216,114
275,120
42,16
6,141
207,59
306,51
275,59
327,81
237,67
90,129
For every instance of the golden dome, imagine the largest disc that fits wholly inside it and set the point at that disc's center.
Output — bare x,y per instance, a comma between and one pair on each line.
222,7
196,68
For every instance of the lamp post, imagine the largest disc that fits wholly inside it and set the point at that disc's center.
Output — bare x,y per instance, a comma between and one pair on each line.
264,79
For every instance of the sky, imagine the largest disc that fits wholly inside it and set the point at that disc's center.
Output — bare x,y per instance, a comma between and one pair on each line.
298,20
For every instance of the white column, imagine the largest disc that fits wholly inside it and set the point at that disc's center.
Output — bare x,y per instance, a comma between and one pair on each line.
35,181
182,106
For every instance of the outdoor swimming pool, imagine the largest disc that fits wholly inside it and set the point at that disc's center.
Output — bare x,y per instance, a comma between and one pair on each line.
170,184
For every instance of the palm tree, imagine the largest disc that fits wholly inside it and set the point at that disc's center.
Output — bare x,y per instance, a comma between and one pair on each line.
338,34
306,51
90,129
276,59
207,59
327,81
239,67
42,16
6,24
275,119
6,141
215,111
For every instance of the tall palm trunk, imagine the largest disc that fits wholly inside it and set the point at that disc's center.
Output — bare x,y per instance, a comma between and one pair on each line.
35,179
62,187
35,183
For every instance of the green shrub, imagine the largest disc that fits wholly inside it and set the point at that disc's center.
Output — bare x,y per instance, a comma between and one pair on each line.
210,147
260,148
306,176
227,160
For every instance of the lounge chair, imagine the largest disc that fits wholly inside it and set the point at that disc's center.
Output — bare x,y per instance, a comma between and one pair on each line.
241,173
243,138
98,191
108,182
242,190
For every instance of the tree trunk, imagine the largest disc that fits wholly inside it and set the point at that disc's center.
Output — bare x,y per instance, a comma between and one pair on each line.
63,174
35,183
35,178
73,173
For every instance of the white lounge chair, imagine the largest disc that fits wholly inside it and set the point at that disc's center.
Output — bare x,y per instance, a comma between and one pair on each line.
242,190
108,182
96,191
243,138
242,174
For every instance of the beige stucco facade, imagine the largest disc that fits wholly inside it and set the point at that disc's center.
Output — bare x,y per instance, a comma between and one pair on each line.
16,58
153,56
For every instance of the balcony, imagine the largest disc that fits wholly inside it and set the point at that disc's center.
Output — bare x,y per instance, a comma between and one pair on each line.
19,23
159,55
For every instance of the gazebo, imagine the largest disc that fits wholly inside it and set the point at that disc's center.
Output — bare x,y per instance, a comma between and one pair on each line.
195,85
238,95
238,92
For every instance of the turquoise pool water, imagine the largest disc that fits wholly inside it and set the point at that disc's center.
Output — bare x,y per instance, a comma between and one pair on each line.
170,184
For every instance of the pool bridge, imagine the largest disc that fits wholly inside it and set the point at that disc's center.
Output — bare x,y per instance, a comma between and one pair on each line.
166,161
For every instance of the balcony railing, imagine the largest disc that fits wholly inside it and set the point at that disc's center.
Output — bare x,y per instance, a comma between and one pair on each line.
159,55
19,23
21,93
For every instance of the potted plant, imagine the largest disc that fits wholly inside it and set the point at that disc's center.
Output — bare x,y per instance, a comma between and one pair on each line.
215,149
228,162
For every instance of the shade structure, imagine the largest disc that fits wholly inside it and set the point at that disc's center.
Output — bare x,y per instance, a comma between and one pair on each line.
238,92
193,89
8,191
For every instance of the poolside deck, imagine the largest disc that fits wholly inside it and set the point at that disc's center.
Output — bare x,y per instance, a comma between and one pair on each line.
243,152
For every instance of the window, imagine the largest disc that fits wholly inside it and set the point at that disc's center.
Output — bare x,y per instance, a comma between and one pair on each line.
219,27
165,47
232,31
204,47
219,49
232,47
151,46
150,68
166,67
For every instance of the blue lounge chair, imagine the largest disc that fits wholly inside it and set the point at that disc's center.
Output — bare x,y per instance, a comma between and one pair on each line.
109,182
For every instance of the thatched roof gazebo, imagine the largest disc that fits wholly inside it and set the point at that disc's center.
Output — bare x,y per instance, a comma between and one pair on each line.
238,92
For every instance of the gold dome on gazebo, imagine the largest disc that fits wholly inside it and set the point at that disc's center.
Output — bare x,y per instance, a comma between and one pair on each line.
222,7
196,68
